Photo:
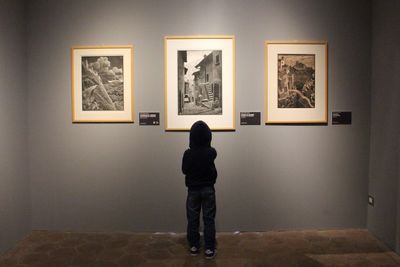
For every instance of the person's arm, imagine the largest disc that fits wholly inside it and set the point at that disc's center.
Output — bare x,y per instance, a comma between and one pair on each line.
214,153
185,162
213,168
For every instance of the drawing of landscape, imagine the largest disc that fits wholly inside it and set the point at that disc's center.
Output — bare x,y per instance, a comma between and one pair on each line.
296,81
102,83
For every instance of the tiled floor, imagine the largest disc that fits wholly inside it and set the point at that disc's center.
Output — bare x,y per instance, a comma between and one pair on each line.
281,249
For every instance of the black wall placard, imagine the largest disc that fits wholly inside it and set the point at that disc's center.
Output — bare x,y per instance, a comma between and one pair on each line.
250,118
149,118
341,117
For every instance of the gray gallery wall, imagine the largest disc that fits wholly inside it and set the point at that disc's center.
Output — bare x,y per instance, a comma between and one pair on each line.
127,177
383,218
15,219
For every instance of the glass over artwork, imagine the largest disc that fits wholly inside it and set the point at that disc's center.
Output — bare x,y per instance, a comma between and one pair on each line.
296,81
102,83
199,82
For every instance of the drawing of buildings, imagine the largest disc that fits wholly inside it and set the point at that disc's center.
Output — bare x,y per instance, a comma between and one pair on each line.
182,58
208,80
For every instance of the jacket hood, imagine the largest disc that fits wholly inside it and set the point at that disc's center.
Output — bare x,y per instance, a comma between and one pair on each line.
200,135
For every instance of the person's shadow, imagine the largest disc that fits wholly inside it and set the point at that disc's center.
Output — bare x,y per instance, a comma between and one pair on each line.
199,261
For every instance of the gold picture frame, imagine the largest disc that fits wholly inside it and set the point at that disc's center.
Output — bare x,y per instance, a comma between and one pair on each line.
102,83
199,77
296,82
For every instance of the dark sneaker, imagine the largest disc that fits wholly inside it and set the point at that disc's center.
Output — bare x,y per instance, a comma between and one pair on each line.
194,251
210,254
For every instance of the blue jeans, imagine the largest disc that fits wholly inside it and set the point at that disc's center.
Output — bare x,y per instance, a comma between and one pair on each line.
197,199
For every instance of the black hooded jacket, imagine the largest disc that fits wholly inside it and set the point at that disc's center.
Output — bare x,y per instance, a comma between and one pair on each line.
198,161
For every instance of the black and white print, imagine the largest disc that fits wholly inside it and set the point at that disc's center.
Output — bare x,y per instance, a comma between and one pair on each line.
102,83
199,82
296,81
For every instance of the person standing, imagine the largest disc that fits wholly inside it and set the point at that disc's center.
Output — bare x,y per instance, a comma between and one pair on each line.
200,176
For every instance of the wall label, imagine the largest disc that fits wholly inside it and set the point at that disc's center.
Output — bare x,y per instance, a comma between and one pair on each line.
149,118
250,118
341,118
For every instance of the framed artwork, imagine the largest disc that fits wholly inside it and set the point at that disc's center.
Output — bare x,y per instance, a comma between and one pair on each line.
199,81
296,82
102,83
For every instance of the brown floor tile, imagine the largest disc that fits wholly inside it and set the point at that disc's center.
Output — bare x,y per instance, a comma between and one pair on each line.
352,248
